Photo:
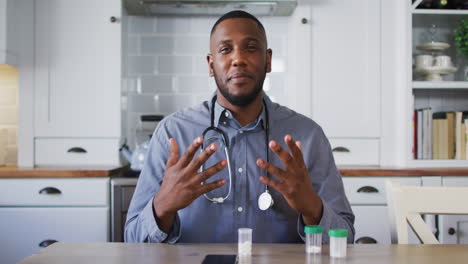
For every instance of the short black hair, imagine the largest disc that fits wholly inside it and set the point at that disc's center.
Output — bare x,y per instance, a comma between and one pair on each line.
237,14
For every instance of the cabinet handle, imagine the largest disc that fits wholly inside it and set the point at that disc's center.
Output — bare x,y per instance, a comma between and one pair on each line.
77,150
113,19
340,149
366,240
367,189
47,243
451,231
50,190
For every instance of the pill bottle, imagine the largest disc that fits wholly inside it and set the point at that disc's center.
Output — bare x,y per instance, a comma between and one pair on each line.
245,242
313,235
338,242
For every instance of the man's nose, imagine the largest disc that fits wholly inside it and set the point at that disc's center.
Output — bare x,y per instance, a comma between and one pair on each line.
239,58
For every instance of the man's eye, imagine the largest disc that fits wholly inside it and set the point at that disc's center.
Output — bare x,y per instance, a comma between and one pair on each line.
252,47
225,50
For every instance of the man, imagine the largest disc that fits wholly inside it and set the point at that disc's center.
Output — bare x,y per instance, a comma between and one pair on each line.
266,144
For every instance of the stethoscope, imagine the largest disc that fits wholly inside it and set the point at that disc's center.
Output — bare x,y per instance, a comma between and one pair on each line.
265,200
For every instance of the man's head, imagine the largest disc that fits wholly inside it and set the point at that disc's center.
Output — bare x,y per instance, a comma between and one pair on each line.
239,58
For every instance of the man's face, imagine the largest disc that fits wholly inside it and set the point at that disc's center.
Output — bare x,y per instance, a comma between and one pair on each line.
239,60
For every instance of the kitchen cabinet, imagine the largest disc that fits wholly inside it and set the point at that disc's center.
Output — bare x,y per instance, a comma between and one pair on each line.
77,80
346,76
453,229
122,190
368,199
423,91
10,17
36,212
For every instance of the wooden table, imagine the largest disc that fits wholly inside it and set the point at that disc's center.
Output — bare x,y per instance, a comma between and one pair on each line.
104,253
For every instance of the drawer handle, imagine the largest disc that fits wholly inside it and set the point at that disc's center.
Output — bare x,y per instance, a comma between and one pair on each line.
366,240
50,190
367,189
340,149
77,150
47,243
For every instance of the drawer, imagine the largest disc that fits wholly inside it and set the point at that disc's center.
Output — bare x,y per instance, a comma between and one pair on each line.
372,223
24,229
356,151
371,190
55,192
76,151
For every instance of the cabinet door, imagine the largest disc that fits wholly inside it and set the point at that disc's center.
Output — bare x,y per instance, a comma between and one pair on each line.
26,230
371,224
453,229
78,68
346,67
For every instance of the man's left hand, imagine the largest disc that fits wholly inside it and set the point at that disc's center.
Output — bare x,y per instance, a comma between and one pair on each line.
294,181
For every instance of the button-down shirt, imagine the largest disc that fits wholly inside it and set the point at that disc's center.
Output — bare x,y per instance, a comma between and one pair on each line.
206,222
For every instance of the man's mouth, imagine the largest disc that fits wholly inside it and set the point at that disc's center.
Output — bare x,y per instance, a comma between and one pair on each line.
240,77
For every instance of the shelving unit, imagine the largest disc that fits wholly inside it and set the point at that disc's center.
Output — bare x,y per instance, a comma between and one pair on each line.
440,85
451,94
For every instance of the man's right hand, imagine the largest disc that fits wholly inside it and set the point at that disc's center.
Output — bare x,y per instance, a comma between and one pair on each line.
182,183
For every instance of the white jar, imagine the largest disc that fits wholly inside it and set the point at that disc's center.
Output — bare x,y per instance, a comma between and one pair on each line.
313,235
338,242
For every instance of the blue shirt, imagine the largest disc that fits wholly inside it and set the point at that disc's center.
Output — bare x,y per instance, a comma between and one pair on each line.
207,222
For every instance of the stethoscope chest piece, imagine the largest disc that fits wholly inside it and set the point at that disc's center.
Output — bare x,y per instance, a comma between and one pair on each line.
265,201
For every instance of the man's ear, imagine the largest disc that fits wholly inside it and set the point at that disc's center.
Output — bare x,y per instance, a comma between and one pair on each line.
269,54
209,59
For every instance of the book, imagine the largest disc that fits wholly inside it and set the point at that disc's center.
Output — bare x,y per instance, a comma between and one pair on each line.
451,134
440,119
420,144
435,138
458,135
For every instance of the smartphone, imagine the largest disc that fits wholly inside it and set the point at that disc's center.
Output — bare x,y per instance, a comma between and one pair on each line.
220,259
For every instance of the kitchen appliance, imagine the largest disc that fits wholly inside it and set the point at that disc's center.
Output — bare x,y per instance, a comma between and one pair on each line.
122,190
209,7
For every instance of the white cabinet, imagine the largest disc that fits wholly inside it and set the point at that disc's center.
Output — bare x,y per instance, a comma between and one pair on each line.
368,199
9,19
453,229
346,67
78,71
37,212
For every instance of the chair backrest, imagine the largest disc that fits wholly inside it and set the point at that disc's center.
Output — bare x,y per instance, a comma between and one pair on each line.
406,204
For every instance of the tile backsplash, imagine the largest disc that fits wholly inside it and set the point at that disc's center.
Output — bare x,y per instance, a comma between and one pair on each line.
165,67
9,109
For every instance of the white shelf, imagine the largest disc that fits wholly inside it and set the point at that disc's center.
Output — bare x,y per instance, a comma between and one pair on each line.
438,163
439,12
439,85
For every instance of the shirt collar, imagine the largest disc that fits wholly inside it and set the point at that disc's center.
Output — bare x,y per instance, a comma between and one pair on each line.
221,112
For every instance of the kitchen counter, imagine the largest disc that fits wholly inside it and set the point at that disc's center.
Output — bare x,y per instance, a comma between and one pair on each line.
59,172
388,171
63,172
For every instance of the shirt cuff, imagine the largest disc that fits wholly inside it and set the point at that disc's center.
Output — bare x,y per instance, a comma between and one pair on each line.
325,222
155,234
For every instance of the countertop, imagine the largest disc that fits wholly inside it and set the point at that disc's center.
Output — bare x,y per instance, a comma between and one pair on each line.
59,172
71,253
56,172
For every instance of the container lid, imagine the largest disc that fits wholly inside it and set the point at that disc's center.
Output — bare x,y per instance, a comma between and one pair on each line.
313,229
338,232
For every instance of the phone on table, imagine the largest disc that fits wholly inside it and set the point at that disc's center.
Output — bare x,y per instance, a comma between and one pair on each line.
220,259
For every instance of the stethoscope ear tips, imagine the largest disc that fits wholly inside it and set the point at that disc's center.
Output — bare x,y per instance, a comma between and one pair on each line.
265,201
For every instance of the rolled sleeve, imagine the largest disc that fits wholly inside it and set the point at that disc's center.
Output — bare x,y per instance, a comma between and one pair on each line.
155,234
329,220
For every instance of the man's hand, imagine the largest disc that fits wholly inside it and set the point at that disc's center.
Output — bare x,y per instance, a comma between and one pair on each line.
294,181
182,182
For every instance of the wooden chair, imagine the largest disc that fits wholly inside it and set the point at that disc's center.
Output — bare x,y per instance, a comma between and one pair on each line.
406,204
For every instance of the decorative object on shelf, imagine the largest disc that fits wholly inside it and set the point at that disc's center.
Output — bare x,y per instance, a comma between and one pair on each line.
460,37
433,66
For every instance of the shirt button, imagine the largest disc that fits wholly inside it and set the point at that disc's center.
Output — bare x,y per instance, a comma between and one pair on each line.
242,131
224,122
226,114
240,170
240,209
